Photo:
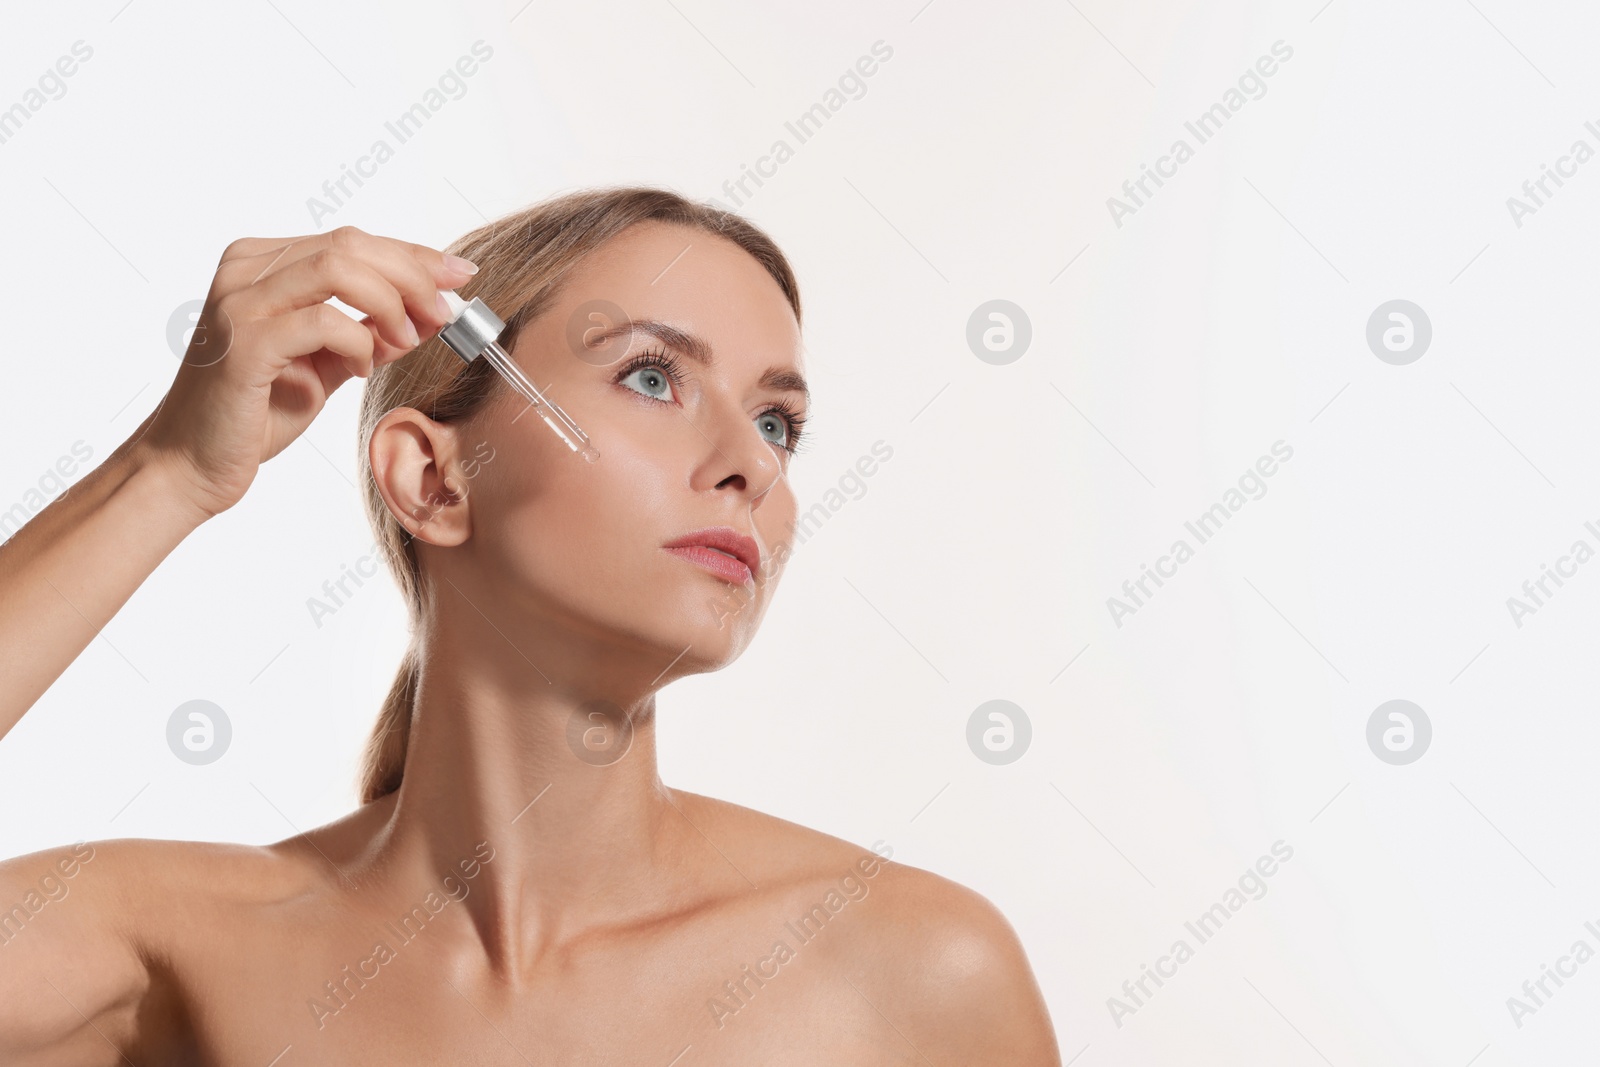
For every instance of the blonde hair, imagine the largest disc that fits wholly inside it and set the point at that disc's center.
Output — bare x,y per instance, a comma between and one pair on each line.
521,260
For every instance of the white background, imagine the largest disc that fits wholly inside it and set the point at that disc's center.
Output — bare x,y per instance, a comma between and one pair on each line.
1168,354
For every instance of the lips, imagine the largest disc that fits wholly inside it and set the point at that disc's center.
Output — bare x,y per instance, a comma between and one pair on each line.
722,550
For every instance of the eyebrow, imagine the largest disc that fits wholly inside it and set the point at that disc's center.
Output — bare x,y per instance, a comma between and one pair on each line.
699,350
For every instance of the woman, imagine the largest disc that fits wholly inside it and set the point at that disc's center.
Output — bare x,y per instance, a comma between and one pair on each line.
518,884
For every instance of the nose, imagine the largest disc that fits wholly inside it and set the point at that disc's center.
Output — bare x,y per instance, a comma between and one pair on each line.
737,458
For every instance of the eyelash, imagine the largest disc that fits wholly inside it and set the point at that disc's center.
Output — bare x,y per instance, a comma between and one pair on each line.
674,371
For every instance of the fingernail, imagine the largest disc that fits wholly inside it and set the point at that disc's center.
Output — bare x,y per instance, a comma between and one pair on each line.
444,307
411,332
459,265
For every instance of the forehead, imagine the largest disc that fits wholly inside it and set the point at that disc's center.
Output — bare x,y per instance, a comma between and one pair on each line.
695,280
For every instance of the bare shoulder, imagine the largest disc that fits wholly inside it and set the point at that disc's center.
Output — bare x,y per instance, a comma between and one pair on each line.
149,870
158,892
942,961
132,879
768,850
106,922
936,957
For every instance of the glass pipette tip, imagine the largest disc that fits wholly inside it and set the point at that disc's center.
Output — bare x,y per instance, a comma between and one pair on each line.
473,331
554,417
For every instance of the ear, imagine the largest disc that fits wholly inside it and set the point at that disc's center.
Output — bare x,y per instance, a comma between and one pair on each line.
418,472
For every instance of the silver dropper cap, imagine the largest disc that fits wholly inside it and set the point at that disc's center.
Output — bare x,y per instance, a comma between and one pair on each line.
474,328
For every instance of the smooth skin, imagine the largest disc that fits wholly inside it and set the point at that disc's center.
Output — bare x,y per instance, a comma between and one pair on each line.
562,909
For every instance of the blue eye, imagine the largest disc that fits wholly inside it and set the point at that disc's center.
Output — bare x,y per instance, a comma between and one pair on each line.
768,421
653,382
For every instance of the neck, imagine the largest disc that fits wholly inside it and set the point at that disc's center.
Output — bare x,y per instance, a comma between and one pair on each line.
537,771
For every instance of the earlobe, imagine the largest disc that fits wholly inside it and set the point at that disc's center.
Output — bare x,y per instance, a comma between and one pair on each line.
413,464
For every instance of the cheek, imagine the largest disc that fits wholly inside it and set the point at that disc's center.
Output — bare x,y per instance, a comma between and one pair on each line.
573,510
582,537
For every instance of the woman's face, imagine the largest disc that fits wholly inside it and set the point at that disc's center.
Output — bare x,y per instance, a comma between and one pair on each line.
684,445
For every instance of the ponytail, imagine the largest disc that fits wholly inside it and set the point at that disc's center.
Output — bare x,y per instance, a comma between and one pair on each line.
385,757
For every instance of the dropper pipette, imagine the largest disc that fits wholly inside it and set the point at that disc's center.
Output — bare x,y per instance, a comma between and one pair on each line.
473,331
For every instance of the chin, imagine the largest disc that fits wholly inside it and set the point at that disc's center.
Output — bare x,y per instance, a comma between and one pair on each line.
696,627
710,646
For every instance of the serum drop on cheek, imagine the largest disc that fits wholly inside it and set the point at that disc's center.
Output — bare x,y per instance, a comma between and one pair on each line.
473,331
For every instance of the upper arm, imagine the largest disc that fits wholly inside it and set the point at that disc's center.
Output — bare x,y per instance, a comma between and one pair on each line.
71,979
961,981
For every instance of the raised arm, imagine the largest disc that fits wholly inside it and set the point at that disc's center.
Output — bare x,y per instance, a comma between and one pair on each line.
79,980
69,570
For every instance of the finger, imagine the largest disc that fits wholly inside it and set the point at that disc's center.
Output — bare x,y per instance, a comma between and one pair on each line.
315,329
247,247
312,280
417,271
382,351
331,370
304,244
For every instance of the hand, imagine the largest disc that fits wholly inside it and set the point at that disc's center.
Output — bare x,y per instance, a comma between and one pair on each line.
268,351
